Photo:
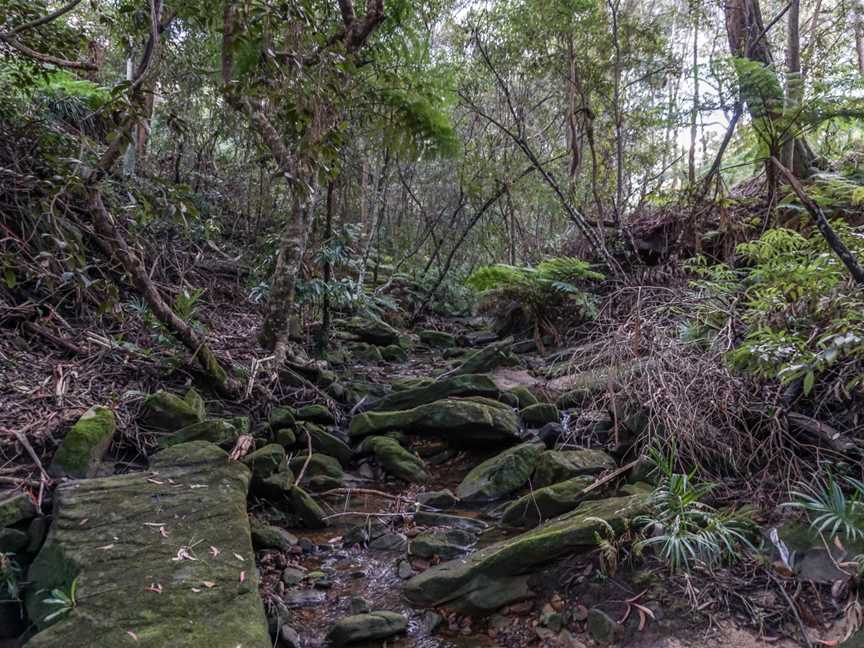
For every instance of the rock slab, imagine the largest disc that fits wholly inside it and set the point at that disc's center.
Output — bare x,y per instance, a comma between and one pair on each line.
138,547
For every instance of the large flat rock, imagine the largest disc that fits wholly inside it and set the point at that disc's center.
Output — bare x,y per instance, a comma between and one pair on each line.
476,584
161,559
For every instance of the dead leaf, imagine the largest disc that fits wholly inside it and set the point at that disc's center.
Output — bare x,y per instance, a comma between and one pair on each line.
208,584
242,576
163,532
154,587
239,557
106,547
134,636
156,481
214,551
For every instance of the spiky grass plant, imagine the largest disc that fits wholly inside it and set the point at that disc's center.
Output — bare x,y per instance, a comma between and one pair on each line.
683,529
832,511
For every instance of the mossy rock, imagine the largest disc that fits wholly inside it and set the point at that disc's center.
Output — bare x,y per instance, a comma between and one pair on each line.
284,437
276,487
524,396
266,536
422,394
13,540
539,414
545,503
167,412
395,460
315,413
457,420
446,544
100,541
319,464
486,360
366,353
282,417
463,584
401,384
324,442
16,508
266,461
216,431
556,466
85,444
438,339
394,353
307,509
363,628
501,475
370,330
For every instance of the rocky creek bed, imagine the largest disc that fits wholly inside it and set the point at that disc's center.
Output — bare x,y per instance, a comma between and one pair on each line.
450,500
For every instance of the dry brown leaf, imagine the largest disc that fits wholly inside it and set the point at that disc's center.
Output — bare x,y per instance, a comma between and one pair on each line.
242,576
134,636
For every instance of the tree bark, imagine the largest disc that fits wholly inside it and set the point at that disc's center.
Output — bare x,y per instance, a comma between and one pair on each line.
794,85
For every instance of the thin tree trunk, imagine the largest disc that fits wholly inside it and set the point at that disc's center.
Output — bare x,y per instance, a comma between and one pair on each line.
324,332
843,253
794,85
691,157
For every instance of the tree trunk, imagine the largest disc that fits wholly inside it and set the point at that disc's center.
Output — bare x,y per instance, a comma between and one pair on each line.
694,112
794,85
324,332
858,18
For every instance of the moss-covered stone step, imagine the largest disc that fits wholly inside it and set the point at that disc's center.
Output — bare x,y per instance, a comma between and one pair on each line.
465,421
467,385
164,555
476,583
85,444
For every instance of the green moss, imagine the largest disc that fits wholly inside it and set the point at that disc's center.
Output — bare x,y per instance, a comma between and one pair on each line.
556,466
545,503
168,413
319,464
414,392
524,396
396,460
216,431
16,508
324,442
501,475
459,420
85,444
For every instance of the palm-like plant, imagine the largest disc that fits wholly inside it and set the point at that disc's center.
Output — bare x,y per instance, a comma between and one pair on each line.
683,529
833,511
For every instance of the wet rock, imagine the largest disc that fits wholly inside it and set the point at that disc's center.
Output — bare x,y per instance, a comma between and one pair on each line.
265,461
359,605
324,442
292,576
374,626
99,538
216,431
501,475
168,412
437,339
539,414
83,447
485,360
424,393
16,508
524,396
447,544
265,536
301,598
307,509
389,542
395,460
545,503
460,420
602,628
483,577
288,637
370,330
556,466
430,518
442,499
315,413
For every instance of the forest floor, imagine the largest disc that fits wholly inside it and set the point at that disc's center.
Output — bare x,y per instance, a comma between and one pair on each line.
47,386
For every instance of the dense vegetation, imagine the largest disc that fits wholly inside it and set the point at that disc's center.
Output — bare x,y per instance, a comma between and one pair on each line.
667,196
